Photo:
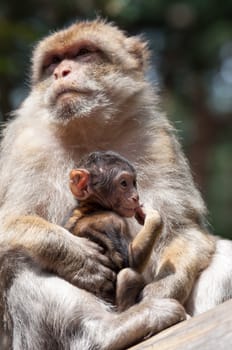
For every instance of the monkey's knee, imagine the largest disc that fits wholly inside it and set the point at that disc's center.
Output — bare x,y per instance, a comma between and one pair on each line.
129,285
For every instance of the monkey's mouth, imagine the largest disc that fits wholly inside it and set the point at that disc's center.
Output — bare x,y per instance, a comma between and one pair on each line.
129,211
68,94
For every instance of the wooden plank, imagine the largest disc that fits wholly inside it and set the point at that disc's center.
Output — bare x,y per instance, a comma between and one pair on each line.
211,330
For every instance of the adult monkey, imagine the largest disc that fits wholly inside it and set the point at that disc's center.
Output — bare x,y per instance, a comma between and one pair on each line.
89,92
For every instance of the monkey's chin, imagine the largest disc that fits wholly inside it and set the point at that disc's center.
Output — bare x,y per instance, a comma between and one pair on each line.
67,108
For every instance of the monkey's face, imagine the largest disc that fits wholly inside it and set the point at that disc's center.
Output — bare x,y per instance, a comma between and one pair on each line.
124,197
89,69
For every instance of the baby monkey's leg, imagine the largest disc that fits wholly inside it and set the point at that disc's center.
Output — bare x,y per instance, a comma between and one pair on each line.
130,281
141,247
129,285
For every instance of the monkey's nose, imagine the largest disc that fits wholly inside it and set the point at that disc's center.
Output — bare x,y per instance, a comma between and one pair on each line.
135,198
61,72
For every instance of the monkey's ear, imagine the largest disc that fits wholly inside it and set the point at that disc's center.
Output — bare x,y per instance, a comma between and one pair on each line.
139,49
79,181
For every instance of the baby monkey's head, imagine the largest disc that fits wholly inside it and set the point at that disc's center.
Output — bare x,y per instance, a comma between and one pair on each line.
109,180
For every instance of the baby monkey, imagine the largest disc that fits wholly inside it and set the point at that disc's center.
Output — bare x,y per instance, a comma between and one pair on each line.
105,186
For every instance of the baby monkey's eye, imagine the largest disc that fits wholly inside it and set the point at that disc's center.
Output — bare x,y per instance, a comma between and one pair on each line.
123,183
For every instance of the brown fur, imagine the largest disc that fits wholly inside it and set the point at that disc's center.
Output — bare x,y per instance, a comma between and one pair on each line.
111,232
113,107
100,217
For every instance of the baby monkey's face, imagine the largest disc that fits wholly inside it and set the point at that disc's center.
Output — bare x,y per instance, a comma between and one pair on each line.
124,196
109,181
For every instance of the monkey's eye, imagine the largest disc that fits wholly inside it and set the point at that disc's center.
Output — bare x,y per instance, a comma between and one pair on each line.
55,59
50,62
83,51
123,183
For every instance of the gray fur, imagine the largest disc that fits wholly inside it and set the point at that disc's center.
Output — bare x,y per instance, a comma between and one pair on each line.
40,145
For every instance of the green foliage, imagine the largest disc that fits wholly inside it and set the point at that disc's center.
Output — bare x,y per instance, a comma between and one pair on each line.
219,187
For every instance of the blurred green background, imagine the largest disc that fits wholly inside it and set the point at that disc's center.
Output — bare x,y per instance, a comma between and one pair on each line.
191,42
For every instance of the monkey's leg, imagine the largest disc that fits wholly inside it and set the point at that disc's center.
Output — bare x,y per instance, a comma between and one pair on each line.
138,322
214,284
49,313
5,339
179,265
128,287
142,246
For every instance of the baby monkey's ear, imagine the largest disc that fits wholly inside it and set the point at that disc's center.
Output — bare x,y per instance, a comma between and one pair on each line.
79,181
